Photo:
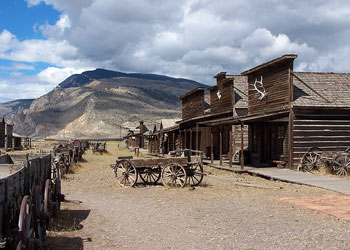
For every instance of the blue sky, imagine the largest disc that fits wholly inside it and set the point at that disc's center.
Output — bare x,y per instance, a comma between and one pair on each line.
42,42
23,21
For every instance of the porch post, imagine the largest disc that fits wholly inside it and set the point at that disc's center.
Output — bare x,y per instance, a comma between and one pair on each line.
174,148
290,139
197,139
190,138
181,144
220,146
185,141
242,147
211,146
230,148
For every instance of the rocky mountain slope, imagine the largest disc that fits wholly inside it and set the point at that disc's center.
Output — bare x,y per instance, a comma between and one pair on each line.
99,104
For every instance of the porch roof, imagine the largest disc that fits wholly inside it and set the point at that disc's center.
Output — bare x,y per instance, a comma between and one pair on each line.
321,89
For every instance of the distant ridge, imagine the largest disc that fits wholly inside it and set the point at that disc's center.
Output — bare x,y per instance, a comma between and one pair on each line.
99,104
78,80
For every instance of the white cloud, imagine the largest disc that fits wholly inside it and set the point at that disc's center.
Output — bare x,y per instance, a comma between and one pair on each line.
55,75
188,38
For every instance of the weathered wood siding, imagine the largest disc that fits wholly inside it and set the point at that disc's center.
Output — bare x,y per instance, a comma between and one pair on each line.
193,105
225,103
2,133
328,130
236,137
276,84
9,136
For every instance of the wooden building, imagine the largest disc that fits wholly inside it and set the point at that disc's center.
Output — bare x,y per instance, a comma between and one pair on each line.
8,136
164,137
152,137
136,137
290,112
2,132
212,131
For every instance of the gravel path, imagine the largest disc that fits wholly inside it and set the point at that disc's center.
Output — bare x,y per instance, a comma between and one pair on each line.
216,215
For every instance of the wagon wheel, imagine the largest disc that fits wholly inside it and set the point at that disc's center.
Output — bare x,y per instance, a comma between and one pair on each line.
40,217
57,196
341,164
235,157
174,175
312,160
151,175
347,150
49,205
194,174
126,173
26,233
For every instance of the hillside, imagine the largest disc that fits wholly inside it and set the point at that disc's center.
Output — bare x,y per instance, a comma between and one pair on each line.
100,104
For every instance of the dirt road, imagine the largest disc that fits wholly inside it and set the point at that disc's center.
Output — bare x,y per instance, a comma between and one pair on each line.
216,215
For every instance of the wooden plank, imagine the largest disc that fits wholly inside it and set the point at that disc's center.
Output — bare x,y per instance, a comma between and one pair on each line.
211,146
242,148
220,146
158,161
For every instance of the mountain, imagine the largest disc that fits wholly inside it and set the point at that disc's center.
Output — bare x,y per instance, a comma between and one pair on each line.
100,104
9,109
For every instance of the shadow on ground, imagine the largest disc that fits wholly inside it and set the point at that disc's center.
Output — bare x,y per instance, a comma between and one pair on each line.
68,220
71,243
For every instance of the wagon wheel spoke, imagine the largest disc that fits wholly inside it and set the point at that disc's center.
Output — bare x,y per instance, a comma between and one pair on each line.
126,173
195,174
341,165
174,175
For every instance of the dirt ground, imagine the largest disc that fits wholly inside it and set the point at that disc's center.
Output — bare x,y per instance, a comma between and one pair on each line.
219,214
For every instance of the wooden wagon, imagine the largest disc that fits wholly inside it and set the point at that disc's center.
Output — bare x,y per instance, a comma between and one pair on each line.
173,171
337,161
27,199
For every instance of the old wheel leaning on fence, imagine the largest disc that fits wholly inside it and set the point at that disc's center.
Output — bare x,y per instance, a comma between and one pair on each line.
194,174
151,175
174,175
26,231
341,164
126,173
312,161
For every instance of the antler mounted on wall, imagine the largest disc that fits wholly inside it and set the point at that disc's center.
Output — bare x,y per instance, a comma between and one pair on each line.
259,88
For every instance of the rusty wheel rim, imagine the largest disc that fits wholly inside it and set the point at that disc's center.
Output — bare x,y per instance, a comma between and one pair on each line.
311,161
341,165
174,175
26,224
195,174
126,173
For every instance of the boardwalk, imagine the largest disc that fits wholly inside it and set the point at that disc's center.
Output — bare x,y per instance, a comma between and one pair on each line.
339,185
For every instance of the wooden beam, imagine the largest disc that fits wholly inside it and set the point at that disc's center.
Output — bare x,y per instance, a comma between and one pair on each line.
290,139
220,146
191,138
174,145
211,146
242,147
181,144
197,137
230,148
291,123
185,141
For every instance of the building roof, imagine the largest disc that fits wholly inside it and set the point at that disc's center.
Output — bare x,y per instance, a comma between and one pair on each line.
321,89
272,62
167,123
191,92
145,129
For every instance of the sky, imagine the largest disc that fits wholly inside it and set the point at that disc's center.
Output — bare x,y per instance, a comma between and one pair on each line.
42,42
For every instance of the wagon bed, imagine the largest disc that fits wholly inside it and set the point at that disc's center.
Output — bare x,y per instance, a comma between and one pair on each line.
174,171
